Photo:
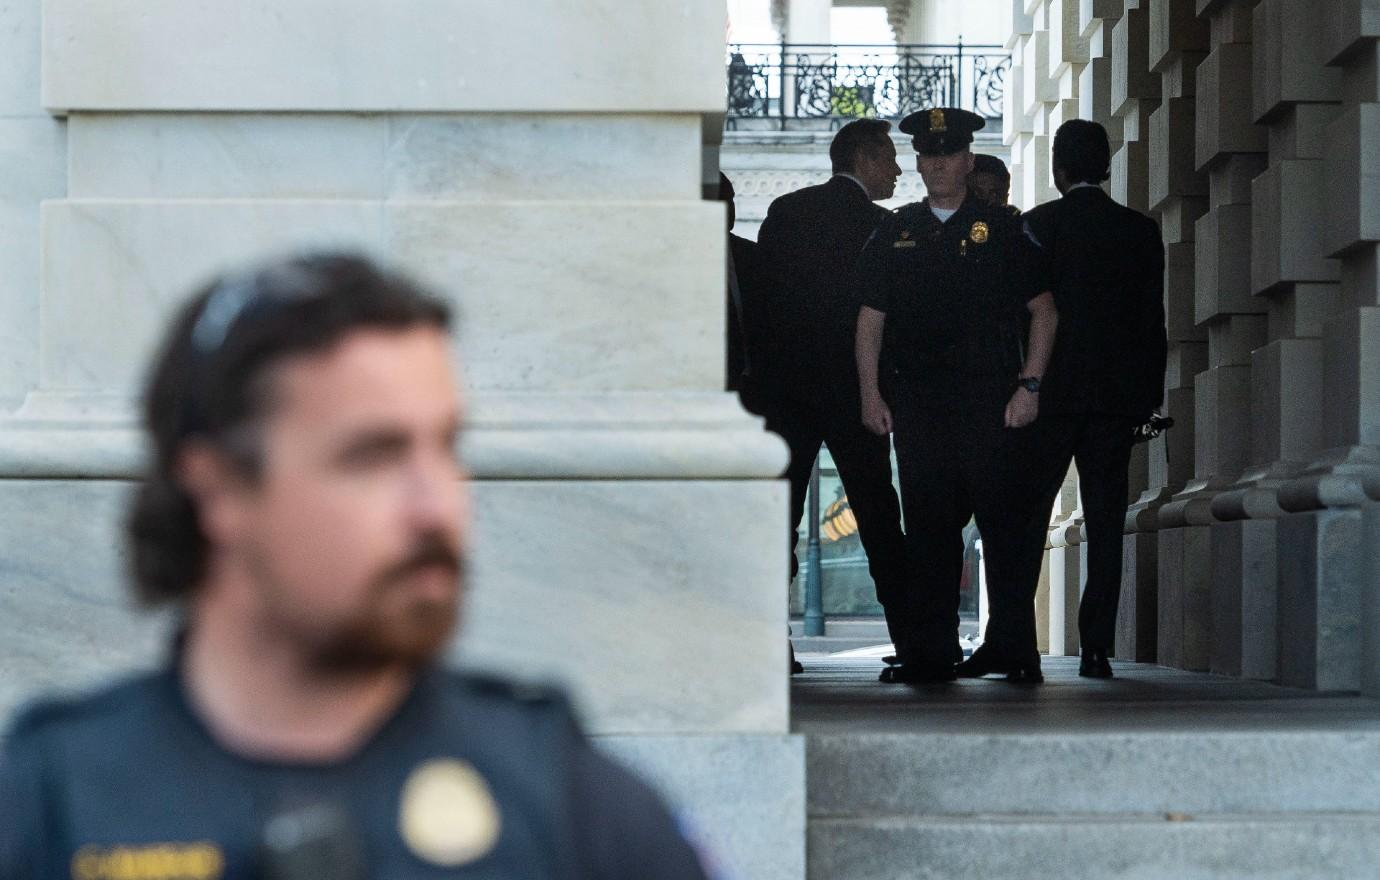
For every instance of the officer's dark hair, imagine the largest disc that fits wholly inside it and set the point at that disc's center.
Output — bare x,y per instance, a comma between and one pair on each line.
860,134
1082,151
211,382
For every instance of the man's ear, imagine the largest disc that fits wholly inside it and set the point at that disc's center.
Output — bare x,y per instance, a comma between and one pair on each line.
216,486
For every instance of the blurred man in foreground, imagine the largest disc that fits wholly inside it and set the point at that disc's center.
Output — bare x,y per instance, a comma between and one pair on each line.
306,511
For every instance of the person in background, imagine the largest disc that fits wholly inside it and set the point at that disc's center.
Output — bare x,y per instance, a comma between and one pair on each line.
990,182
1107,373
803,374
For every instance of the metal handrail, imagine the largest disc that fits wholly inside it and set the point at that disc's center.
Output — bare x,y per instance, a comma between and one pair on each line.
841,81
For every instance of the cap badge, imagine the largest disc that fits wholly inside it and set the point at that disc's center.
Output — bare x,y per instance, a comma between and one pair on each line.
448,815
937,122
979,232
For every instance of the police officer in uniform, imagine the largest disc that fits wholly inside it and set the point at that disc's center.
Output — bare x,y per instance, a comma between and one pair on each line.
955,331
306,513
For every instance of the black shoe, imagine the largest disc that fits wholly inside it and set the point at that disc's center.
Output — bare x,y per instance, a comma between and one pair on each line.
985,662
796,667
895,660
1094,664
917,673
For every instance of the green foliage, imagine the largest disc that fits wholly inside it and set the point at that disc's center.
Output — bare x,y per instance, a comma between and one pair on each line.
852,101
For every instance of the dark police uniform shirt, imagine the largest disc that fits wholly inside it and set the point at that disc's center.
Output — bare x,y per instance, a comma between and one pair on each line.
954,293
129,785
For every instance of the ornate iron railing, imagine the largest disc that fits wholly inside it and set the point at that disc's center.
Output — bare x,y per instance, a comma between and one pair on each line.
790,81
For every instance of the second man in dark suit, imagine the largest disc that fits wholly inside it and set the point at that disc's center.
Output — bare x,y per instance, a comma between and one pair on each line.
802,373
1107,372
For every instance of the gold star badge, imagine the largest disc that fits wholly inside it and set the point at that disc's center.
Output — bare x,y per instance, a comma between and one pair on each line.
937,122
978,233
448,815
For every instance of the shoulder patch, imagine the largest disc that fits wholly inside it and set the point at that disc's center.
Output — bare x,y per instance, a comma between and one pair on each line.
45,713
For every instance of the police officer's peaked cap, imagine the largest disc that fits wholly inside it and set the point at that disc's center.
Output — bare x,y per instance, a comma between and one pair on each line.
941,130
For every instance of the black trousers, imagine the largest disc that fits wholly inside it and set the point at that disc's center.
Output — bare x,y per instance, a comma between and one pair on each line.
864,464
956,466
1100,445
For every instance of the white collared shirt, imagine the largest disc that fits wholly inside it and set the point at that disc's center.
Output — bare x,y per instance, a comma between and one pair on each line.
846,175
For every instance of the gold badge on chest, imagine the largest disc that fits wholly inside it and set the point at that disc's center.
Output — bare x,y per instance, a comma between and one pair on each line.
448,815
978,234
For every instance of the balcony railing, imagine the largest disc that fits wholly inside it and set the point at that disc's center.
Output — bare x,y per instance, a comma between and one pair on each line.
836,83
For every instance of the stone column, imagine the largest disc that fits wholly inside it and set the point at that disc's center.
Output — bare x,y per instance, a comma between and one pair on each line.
1289,276
1178,193
1231,152
627,512
1065,570
1135,95
1096,21
1321,551
1039,92
1018,124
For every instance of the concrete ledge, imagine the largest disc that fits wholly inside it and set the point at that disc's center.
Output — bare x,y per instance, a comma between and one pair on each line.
359,55
1202,770
531,435
1123,848
553,296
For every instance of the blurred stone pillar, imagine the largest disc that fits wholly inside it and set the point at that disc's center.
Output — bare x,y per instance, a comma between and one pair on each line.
551,187
1322,554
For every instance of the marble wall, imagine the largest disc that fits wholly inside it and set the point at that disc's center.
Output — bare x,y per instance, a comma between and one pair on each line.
624,505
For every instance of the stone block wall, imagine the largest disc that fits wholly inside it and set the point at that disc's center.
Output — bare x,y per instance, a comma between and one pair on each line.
1248,127
622,501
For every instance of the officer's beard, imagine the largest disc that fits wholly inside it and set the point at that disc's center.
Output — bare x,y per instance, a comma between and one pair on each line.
396,627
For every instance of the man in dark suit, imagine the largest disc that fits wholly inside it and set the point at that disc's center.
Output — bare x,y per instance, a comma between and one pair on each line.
742,260
802,376
1107,372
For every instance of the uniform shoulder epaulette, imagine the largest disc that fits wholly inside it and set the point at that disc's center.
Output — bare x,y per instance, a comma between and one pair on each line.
49,712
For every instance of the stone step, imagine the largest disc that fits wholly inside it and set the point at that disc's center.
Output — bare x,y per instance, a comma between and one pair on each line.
1253,847
1093,772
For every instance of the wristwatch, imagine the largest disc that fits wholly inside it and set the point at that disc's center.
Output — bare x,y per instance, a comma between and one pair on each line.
1029,383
